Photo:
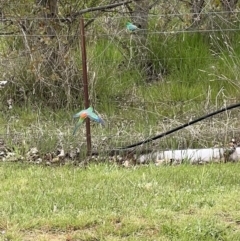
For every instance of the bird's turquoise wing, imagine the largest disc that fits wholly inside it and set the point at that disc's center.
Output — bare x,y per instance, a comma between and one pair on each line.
131,27
89,109
78,114
94,117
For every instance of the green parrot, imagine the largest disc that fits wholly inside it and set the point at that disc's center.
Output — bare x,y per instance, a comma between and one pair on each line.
131,27
87,113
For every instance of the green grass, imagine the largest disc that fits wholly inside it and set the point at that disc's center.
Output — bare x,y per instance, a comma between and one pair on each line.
185,67
105,202
47,130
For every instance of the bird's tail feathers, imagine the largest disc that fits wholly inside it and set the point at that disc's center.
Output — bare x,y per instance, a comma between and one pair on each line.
75,129
101,121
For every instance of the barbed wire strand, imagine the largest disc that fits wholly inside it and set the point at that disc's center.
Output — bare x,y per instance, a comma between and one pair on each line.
147,33
123,16
144,59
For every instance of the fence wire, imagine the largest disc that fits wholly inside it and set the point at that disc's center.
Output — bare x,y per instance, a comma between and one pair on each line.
49,63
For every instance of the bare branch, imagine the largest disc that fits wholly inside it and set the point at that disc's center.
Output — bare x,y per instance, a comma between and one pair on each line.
8,33
187,2
100,8
154,4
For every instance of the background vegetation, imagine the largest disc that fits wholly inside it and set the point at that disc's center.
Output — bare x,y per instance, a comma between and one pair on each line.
181,64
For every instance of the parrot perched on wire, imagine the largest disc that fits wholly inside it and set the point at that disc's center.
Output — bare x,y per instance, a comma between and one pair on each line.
87,113
131,27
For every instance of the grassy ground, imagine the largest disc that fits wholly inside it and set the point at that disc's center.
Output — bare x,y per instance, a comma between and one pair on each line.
45,129
105,202
188,75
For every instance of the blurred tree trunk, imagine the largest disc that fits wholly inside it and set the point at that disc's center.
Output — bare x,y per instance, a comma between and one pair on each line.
48,25
229,5
51,5
53,48
49,11
139,16
196,8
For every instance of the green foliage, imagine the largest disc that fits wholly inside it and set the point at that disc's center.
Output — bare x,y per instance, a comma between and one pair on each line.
179,67
115,81
179,76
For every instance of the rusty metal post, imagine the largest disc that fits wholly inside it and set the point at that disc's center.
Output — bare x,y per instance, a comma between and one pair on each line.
85,84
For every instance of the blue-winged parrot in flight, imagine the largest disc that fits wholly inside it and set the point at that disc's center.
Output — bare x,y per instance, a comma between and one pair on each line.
87,113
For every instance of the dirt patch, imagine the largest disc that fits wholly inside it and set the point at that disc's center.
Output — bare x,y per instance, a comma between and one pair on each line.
47,236
71,235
